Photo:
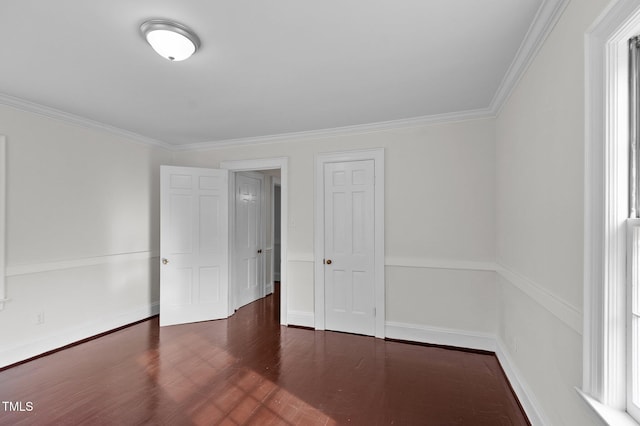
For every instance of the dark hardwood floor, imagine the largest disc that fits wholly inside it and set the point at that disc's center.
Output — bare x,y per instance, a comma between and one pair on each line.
250,370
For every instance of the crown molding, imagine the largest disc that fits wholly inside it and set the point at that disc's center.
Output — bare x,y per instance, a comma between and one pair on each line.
56,114
545,20
476,114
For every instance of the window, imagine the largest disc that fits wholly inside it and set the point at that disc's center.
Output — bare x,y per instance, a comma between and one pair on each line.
633,234
633,320
612,227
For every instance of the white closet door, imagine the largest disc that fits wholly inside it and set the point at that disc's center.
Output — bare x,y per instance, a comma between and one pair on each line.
349,247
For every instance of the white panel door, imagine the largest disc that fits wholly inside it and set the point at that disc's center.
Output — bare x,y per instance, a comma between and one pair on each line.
349,247
194,240
248,280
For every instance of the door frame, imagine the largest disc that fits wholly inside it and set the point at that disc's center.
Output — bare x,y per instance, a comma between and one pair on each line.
275,181
377,155
281,163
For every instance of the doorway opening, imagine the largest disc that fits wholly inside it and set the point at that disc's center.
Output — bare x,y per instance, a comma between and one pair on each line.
256,264
254,248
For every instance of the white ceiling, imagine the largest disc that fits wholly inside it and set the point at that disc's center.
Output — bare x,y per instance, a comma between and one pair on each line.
265,67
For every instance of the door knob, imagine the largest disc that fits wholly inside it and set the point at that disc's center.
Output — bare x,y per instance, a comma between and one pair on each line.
259,251
328,262
165,261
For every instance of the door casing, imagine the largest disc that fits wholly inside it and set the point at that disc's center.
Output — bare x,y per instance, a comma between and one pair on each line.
377,155
275,182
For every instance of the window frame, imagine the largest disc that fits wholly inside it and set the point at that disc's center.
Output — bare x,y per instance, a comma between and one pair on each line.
605,379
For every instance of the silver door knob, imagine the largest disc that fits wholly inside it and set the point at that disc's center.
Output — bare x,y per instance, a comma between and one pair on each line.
165,261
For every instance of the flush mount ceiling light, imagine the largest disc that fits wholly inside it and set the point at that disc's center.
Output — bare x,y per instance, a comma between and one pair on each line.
169,39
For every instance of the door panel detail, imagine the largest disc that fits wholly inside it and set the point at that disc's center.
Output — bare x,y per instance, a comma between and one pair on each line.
349,243
193,245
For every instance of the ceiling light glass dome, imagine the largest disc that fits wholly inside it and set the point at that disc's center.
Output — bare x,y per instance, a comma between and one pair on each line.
171,40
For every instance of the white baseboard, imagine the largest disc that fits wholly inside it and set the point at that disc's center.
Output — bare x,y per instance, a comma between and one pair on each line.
71,335
525,394
473,340
303,319
441,336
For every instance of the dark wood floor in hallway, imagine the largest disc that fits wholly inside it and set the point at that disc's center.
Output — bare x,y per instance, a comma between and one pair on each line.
250,370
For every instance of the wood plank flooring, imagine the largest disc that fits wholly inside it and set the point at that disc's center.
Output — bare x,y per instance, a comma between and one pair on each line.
250,370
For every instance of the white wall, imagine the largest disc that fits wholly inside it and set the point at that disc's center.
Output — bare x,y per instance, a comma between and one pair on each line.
82,233
540,185
439,212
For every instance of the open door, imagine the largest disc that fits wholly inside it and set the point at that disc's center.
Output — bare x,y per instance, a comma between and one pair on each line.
194,244
248,256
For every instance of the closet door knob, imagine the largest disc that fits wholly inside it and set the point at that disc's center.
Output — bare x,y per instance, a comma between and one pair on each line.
328,262
165,261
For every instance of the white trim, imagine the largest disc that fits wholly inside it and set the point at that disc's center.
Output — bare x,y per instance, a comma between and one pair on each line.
281,163
377,155
525,395
275,181
410,262
302,319
12,354
561,309
633,277
609,415
564,311
478,114
440,336
544,21
479,341
35,268
433,263
73,119
3,219
56,114
605,202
